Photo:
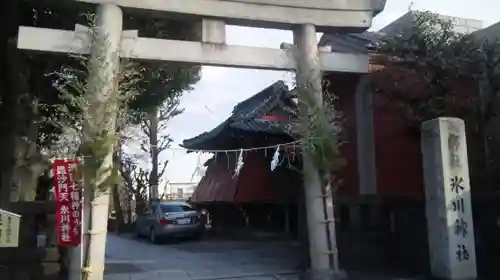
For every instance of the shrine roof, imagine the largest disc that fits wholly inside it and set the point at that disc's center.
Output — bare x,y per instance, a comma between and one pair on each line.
355,43
246,117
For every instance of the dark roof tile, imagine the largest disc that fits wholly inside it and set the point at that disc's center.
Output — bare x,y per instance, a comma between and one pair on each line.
355,43
246,117
246,114
258,125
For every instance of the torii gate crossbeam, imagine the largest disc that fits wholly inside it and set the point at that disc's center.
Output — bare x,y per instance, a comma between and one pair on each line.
132,46
325,15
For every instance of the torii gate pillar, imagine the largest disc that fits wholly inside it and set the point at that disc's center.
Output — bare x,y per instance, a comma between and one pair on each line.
324,265
104,64
105,50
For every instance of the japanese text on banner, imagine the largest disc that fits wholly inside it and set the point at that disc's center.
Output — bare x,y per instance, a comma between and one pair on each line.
68,198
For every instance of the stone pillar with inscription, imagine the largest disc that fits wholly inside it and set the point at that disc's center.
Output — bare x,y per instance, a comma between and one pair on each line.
448,199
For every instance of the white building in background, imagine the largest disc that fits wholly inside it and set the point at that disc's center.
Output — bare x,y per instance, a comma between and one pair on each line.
179,190
461,25
490,33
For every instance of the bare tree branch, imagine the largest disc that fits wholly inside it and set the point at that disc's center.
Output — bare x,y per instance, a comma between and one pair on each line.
167,112
163,169
146,127
145,146
165,142
141,177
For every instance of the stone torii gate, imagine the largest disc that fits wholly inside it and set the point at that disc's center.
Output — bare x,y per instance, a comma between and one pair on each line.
304,17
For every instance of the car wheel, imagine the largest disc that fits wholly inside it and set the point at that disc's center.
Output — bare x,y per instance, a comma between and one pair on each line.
152,236
136,233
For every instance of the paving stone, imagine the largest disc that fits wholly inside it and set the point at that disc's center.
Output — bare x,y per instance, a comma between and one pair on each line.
259,278
147,276
202,272
118,276
165,275
229,270
122,268
288,277
196,260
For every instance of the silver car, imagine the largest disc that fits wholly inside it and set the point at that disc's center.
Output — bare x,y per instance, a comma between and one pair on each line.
168,219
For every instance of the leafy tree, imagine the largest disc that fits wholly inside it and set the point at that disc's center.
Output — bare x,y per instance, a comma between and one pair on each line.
135,182
156,140
163,80
24,145
35,105
163,86
141,179
429,70
424,69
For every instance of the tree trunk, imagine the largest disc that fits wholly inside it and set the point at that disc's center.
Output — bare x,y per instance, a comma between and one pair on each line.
120,220
98,133
116,187
29,165
130,211
153,148
21,162
12,81
6,170
127,184
24,183
130,188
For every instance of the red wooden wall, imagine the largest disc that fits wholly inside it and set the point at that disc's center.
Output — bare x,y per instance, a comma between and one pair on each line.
343,87
256,183
398,157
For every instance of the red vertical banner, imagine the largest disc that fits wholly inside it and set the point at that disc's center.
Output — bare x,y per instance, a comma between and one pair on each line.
68,200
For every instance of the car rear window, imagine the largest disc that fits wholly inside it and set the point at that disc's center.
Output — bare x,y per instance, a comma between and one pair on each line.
173,208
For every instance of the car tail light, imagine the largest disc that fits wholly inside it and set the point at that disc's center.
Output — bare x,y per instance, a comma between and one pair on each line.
164,222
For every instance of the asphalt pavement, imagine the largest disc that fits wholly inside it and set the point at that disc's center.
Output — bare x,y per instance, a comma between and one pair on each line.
210,259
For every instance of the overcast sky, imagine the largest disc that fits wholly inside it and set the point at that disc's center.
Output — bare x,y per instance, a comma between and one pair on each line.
221,88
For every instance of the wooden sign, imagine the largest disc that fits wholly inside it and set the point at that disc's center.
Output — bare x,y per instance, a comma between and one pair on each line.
9,229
